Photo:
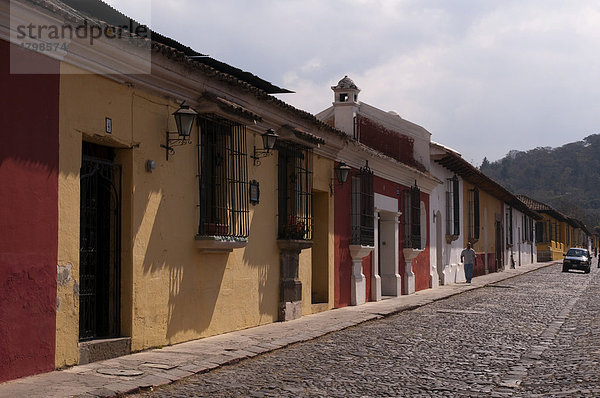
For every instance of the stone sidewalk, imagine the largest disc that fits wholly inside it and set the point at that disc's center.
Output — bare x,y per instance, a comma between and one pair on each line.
158,367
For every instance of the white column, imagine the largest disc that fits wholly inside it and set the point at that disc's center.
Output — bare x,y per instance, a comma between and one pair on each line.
358,283
409,275
375,278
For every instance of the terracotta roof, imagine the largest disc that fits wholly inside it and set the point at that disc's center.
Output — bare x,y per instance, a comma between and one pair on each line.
100,11
198,62
542,208
306,136
178,56
454,162
230,107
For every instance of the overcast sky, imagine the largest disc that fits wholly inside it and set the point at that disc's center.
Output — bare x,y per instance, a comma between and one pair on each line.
484,77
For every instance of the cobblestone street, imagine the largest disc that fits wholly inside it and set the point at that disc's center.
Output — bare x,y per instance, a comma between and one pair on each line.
534,335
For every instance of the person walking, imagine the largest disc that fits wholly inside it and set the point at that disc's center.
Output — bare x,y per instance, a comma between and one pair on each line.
468,256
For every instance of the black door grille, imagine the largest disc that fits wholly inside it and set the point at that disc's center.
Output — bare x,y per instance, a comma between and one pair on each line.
99,257
412,218
363,208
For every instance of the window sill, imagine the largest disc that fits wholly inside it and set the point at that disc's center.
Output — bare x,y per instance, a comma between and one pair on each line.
294,244
360,251
410,254
220,244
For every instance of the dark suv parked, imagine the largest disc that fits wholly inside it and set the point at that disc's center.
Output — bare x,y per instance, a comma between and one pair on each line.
577,258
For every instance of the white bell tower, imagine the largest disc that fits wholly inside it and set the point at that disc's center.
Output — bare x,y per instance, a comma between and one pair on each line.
345,104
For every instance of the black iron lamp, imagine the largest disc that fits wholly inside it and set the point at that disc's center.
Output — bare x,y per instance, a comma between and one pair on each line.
269,138
342,170
184,119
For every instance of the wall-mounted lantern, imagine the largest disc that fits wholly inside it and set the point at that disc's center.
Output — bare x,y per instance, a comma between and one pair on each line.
269,138
341,172
184,119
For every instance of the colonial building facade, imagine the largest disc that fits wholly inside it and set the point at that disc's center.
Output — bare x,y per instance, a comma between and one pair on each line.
556,232
161,210
447,236
382,249
491,218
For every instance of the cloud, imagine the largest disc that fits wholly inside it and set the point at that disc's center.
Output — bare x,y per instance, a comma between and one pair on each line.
483,77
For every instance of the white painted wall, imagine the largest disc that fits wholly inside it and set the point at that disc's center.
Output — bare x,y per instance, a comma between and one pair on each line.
522,249
453,269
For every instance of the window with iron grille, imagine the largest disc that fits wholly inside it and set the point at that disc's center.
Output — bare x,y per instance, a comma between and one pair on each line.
452,207
560,232
363,208
473,214
509,226
295,179
527,229
223,177
412,218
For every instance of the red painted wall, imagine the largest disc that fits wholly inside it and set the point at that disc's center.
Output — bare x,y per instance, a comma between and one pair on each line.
479,266
28,217
389,142
421,263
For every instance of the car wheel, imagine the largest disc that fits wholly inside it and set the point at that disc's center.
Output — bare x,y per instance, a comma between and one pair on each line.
565,269
587,270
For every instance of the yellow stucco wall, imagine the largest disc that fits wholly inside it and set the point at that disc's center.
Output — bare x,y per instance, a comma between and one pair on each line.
171,291
319,259
67,314
85,101
557,248
489,209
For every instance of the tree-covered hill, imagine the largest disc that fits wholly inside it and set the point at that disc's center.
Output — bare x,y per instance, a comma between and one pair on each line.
566,178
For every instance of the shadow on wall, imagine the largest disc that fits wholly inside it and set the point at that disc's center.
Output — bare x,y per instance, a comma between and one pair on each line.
262,254
199,283
172,267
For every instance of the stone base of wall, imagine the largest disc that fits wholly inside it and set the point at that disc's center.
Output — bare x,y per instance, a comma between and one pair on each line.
453,273
100,350
544,256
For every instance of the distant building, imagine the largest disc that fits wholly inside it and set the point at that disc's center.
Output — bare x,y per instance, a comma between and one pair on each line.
556,232
497,224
